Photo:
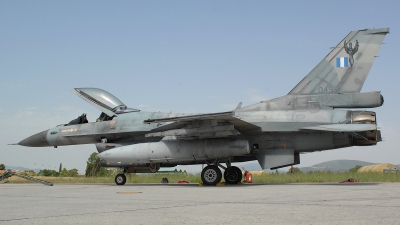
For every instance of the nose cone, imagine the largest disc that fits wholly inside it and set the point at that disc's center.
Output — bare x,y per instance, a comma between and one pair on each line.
36,140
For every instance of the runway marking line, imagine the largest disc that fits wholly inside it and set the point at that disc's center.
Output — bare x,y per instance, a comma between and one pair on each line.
129,192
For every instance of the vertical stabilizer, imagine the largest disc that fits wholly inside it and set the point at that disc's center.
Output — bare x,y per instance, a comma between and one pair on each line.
346,67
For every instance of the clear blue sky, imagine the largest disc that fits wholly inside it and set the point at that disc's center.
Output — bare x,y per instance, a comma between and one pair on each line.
180,56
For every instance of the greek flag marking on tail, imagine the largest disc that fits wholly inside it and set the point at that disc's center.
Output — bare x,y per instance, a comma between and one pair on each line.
342,62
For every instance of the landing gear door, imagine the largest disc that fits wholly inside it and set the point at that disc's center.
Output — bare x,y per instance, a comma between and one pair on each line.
277,158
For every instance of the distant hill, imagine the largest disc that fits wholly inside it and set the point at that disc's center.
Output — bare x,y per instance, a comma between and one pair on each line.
250,166
333,165
21,168
336,165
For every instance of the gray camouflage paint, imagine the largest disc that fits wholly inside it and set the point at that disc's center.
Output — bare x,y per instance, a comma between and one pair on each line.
308,119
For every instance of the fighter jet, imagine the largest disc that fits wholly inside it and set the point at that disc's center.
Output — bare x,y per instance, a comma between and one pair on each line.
314,116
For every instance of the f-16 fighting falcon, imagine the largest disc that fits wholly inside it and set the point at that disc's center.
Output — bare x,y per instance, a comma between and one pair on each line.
313,116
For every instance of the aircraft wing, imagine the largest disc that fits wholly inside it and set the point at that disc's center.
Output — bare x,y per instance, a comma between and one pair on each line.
202,126
342,127
208,116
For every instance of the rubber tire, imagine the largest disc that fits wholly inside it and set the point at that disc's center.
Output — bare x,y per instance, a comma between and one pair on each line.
233,175
211,175
120,179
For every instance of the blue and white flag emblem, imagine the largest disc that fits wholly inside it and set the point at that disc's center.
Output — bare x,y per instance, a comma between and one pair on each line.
342,62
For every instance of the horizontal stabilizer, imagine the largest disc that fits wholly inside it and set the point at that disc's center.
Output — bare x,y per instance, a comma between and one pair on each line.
342,127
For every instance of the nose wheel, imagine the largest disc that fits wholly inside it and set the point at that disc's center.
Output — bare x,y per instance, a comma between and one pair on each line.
120,179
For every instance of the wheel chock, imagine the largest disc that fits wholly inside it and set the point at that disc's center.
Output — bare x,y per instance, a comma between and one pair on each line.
220,184
201,184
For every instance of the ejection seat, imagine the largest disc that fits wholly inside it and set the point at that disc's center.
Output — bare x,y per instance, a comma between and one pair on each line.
81,119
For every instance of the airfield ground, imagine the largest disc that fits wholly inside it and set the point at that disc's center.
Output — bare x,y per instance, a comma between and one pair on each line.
326,203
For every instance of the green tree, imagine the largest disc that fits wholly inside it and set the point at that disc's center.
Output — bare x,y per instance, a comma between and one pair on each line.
355,169
64,173
73,172
48,173
69,173
2,167
103,172
92,165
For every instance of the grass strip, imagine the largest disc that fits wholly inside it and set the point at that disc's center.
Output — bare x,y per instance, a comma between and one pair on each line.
309,177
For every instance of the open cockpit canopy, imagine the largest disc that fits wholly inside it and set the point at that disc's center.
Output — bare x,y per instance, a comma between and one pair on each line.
103,100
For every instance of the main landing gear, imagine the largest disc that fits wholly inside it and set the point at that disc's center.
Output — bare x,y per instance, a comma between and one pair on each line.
211,174
233,175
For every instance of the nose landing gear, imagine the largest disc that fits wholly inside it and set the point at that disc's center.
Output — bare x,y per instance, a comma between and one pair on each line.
120,179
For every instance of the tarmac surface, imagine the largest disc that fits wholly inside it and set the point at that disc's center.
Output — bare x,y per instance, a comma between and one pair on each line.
357,203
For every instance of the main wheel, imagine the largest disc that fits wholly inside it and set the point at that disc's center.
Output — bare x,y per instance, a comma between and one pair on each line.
233,175
120,179
211,175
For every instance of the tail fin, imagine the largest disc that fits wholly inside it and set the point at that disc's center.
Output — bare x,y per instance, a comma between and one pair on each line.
346,67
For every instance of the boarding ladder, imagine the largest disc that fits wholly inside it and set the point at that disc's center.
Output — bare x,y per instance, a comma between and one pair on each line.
10,173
